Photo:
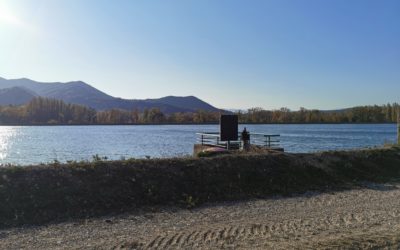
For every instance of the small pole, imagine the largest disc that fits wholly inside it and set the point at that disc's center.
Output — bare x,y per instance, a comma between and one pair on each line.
398,126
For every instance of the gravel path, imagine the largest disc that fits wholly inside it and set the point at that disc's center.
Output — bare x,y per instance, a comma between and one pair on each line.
361,218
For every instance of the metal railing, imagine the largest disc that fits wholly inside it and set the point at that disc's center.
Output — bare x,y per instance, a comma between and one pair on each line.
258,139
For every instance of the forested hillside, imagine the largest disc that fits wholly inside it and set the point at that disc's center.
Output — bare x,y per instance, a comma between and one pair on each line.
51,111
21,91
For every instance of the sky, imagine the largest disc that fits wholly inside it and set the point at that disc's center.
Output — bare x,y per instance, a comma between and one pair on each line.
323,54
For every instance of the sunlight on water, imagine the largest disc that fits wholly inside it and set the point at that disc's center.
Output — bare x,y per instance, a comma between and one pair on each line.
6,136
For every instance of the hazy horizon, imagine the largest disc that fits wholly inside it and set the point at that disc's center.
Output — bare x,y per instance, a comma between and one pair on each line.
231,54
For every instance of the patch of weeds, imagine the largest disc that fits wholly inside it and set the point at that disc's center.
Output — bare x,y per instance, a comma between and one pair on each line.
56,162
98,158
12,169
211,153
189,201
72,162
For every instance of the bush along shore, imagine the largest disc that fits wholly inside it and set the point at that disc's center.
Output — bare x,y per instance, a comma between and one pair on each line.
56,192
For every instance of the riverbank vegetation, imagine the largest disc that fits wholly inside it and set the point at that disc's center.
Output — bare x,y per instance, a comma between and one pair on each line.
54,192
41,111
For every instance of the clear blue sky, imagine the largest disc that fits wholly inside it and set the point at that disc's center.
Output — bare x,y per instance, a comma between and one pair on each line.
234,54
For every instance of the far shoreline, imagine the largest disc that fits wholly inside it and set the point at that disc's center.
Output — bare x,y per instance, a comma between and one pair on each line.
208,123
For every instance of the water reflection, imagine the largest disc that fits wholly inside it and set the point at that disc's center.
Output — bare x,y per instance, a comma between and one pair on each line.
6,138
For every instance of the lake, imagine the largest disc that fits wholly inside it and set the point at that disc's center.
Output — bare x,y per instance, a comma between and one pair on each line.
25,145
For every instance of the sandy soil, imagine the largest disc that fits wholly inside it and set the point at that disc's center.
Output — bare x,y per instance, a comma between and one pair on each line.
367,217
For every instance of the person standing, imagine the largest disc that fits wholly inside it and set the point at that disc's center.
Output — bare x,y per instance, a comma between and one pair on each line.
245,140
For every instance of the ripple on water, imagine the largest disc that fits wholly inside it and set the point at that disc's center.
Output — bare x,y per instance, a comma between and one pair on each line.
41,144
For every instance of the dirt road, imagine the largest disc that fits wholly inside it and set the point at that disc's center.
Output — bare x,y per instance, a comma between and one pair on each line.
361,218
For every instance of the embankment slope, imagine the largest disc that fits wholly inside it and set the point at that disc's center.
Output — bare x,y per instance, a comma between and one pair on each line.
57,192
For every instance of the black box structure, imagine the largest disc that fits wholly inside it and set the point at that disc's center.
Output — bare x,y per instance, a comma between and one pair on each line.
228,128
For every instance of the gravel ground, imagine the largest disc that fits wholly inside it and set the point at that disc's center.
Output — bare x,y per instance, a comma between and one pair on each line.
367,217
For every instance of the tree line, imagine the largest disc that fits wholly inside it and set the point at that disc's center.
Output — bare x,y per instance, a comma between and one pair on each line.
42,111
362,114
50,111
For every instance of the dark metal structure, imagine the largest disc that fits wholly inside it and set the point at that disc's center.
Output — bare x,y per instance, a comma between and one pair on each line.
229,127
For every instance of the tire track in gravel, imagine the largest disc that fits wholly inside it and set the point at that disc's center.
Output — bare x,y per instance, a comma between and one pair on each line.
360,218
218,236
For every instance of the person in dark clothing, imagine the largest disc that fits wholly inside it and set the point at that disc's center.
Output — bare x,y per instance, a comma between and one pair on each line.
246,139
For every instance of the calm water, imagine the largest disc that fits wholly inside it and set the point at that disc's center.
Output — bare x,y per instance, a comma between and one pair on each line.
32,145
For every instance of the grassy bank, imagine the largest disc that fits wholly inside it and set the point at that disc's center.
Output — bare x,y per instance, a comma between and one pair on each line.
39,194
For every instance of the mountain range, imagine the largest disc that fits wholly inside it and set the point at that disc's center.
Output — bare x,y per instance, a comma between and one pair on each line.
21,91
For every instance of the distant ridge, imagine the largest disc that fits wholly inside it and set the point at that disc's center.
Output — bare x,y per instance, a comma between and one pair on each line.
15,96
187,101
21,91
